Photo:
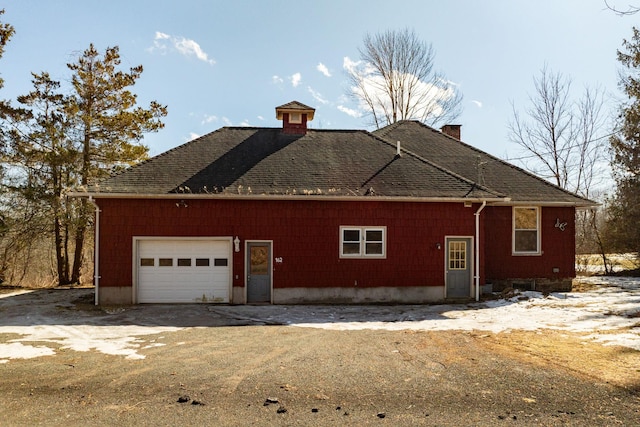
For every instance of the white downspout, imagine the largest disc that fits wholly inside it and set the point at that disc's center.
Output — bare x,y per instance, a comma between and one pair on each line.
96,252
477,262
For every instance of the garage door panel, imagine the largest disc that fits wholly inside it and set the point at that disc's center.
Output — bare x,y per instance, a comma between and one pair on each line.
183,271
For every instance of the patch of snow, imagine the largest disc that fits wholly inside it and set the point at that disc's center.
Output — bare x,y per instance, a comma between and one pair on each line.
612,306
114,340
18,350
16,293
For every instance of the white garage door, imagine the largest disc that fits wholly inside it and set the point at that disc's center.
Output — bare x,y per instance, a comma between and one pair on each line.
183,271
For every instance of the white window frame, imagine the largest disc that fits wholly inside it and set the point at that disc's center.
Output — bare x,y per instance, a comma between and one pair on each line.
362,230
538,231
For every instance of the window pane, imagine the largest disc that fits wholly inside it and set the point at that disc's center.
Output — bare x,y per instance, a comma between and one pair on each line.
374,235
165,262
457,255
374,249
351,248
184,262
202,262
526,241
220,262
259,260
351,235
526,218
147,262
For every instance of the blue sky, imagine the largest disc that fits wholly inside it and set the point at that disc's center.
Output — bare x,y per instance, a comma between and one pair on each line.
218,63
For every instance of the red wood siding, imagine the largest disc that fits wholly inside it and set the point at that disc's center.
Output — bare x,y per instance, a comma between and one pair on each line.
305,235
294,128
558,247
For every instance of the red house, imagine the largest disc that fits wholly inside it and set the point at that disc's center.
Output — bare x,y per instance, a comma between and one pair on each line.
405,214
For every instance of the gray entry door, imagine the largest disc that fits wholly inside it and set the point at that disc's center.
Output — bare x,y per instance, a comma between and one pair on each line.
258,272
458,268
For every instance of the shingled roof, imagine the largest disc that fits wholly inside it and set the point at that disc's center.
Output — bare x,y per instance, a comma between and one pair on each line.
474,164
245,161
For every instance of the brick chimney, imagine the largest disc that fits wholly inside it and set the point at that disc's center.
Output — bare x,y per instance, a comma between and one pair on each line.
451,130
294,116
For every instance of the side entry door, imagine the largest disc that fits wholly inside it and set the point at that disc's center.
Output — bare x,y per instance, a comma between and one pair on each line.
259,272
458,267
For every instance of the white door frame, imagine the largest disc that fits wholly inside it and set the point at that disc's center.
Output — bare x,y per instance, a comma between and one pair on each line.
246,272
470,255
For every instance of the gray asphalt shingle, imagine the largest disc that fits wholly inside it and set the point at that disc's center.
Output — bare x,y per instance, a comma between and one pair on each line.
264,161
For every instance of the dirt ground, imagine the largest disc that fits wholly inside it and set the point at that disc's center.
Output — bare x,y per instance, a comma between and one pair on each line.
232,374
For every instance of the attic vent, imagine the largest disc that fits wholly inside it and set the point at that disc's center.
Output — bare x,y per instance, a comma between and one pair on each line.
294,116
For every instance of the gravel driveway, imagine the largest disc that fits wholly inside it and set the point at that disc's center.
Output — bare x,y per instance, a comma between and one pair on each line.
206,365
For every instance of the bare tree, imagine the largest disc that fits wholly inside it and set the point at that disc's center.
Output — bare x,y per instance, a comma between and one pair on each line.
395,80
565,141
630,10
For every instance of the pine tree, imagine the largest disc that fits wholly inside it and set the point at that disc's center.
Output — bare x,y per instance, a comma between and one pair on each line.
108,125
625,205
58,142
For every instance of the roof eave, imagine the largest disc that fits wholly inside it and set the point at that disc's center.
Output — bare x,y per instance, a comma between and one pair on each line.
315,197
583,204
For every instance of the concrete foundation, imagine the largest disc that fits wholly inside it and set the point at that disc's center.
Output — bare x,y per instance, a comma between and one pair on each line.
542,284
123,295
399,295
237,296
115,295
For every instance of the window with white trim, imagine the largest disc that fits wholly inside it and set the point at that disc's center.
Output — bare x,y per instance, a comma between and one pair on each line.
295,117
363,242
526,230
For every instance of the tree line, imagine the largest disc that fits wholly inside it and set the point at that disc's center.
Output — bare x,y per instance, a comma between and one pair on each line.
57,138
60,138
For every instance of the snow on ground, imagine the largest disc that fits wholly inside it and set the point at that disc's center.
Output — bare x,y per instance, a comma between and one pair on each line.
115,340
43,329
611,312
608,313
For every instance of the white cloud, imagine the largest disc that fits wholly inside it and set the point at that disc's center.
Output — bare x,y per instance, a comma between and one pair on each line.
349,111
478,103
317,96
209,119
295,79
430,94
261,118
277,80
165,42
226,121
192,136
323,69
245,123
349,64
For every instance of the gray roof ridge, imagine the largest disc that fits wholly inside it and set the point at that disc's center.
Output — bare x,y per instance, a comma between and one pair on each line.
336,130
384,130
440,167
494,158
295,103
